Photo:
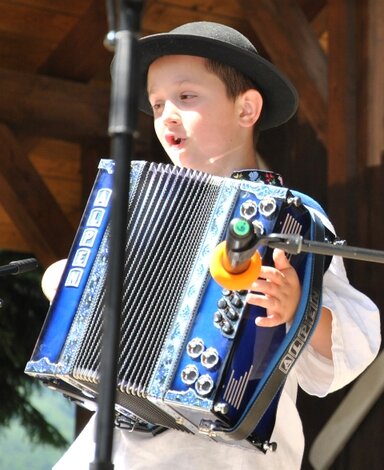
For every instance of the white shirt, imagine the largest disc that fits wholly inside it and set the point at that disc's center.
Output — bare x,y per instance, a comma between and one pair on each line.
355,343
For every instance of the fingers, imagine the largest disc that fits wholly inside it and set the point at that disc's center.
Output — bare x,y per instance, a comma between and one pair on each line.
266,301
277,290
272,306
267,276
269,321
280,259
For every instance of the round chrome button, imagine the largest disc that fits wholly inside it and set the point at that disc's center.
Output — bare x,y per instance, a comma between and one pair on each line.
248,209
195,347
267,206
189,374
204,385
210,358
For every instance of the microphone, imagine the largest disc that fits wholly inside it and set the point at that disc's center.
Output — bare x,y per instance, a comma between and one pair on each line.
18,267
236,262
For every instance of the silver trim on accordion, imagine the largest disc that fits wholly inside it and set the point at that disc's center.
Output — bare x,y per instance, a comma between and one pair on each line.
191,357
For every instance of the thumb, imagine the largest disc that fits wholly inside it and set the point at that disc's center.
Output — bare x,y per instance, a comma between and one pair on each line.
280,259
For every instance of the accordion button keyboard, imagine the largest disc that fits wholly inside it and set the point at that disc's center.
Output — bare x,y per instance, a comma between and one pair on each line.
228,312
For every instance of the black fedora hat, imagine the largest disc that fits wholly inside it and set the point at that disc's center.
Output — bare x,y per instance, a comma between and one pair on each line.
225,44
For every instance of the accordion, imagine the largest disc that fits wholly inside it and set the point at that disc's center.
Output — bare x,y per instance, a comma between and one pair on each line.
191,357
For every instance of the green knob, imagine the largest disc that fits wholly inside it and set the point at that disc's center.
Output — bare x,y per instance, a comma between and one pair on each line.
241,228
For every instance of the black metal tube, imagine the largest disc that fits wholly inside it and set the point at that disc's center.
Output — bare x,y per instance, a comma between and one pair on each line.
19,266
122,128
296,244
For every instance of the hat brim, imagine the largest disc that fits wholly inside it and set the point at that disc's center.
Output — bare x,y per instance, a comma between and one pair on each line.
279,95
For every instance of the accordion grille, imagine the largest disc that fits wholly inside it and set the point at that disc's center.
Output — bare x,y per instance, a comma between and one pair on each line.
169,212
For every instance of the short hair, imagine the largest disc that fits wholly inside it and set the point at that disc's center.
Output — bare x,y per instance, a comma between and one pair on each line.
235,83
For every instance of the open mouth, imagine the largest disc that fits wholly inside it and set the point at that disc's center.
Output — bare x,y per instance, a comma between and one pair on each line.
174,141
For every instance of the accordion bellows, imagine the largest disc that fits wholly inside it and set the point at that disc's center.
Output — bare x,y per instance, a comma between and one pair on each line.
191,357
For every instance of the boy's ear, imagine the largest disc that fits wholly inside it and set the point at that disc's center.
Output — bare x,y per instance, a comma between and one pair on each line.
251,103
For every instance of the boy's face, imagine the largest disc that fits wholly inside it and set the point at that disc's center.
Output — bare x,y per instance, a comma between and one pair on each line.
195,121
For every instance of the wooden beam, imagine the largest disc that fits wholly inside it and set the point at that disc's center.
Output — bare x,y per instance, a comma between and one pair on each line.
160,16
312,8
292,45
49,107
30,205
81,55
369,126
204,10
10,238
373,72
92,151
342,92
30,30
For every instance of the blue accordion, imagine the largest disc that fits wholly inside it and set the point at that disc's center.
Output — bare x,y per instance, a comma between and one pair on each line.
191,357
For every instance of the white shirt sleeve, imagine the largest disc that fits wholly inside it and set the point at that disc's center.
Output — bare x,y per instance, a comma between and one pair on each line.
355,336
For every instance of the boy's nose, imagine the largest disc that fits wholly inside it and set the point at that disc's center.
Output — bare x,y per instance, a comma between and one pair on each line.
170,113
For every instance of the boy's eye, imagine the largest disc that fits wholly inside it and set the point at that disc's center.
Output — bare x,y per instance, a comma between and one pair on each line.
187,96
156,106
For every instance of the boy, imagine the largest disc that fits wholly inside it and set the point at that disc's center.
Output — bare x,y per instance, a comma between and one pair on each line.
206,115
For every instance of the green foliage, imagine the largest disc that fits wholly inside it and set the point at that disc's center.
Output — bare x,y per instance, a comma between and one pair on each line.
17,452
22,312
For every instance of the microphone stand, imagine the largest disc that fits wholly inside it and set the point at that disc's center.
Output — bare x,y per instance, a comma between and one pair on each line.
243,240
295,244
18,267
122,128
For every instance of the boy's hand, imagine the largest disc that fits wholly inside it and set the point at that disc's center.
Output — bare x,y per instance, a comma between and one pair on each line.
278,291
51,278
